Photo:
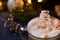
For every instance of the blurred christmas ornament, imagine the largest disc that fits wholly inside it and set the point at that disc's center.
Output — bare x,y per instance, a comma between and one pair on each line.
11,5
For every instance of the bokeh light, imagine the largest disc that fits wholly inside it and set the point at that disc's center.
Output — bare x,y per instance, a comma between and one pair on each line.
29,1
0,3
40,0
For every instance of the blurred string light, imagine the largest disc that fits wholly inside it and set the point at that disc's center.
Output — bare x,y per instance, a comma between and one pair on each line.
29,1
40,0
0,3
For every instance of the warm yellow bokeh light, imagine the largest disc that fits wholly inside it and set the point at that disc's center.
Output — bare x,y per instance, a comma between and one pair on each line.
29,1
0,3
40,0
20,3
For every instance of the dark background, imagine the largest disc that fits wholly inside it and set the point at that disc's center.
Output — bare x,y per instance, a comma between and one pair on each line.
46,4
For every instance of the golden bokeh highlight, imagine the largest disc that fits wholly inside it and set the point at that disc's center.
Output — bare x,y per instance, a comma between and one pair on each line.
1,3
20,3
29,1
40,0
